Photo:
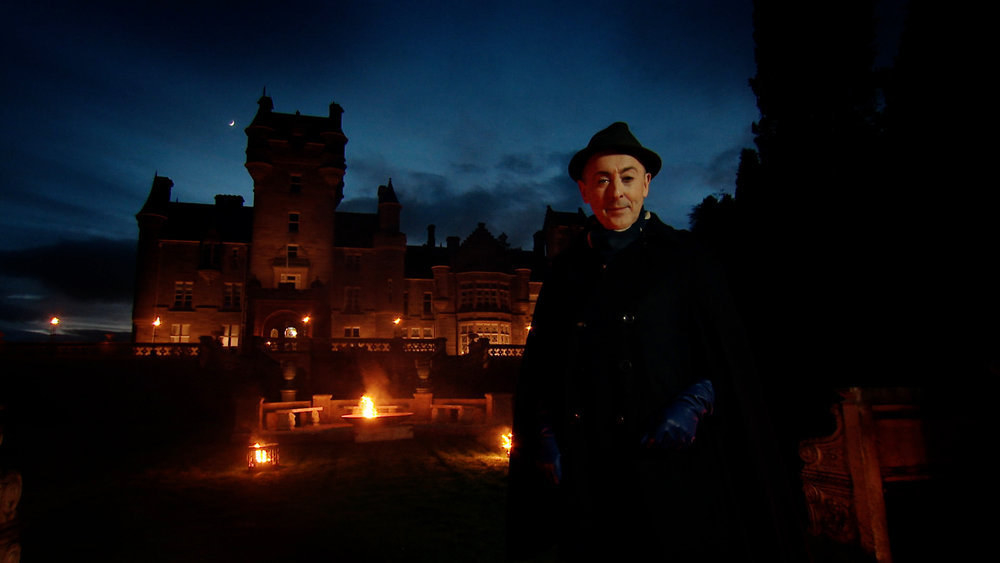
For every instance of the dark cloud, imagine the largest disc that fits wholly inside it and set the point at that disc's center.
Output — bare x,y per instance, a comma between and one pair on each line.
520,164
93,269
514,207
468,168
16,310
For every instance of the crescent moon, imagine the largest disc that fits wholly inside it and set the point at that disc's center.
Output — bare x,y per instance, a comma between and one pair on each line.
232,123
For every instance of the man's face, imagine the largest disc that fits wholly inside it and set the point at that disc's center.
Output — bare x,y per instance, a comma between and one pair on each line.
614,186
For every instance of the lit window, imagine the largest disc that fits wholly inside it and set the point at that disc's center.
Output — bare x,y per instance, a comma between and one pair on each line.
495,332
230,336
180,333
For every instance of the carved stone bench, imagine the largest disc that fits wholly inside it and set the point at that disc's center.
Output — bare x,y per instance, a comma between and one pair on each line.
284,419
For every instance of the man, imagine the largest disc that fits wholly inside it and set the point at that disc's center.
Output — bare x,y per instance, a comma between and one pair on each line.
630,413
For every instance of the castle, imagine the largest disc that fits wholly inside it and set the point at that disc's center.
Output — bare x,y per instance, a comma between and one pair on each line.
293,268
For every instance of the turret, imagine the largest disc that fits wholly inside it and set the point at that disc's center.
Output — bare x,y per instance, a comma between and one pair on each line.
156,202
388,209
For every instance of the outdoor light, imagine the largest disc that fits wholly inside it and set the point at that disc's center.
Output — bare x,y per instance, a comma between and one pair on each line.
261,456
506,441
156,323
397,320
306,319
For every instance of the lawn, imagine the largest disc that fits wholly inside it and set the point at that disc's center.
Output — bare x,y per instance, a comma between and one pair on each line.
437,497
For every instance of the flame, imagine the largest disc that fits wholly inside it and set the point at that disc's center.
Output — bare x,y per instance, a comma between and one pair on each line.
368,409
506,441
261,455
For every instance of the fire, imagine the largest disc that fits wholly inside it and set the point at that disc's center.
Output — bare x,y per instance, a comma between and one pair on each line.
368,409
506,441
260,455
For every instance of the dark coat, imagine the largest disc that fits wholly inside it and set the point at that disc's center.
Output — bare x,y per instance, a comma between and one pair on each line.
611,345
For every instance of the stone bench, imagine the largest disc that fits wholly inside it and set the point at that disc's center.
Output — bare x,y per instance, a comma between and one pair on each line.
462,413
459,411
284,419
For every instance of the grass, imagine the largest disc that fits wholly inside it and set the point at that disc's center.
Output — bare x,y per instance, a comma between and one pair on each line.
437,497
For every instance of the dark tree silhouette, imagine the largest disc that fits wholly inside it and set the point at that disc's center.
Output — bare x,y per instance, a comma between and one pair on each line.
862,236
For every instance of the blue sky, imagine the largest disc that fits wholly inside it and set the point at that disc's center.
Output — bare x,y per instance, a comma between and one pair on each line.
472,108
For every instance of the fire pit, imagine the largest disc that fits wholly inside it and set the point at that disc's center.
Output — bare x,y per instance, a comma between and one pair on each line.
370,425
262,455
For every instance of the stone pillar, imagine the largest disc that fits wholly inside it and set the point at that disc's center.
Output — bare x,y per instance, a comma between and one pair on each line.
325,401
422,405
499,408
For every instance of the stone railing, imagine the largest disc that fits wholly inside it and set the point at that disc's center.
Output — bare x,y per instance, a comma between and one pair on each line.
167,350
103,349
386,345
506,350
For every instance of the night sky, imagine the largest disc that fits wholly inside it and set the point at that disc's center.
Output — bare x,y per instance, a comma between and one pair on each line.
473,109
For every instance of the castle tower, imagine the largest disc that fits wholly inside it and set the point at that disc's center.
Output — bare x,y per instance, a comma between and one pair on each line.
297,164
151,219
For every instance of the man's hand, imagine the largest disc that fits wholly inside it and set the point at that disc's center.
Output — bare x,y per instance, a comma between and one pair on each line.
549,457
678,424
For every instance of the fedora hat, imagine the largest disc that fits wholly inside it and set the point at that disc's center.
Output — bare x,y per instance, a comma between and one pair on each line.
614,139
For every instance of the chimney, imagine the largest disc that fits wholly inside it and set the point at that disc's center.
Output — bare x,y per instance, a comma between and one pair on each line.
430,236
336,114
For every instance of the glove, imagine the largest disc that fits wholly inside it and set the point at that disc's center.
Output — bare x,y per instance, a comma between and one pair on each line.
679,420
548,456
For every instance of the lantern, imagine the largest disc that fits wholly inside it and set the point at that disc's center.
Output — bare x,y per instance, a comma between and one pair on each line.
262,456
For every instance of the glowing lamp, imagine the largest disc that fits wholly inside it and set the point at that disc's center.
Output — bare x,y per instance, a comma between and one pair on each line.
261,456
506,441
